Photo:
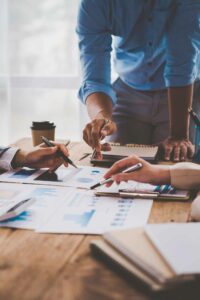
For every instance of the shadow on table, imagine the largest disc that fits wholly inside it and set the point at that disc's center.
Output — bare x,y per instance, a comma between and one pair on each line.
187,291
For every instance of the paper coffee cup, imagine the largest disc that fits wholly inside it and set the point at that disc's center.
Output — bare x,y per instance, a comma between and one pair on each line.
44,128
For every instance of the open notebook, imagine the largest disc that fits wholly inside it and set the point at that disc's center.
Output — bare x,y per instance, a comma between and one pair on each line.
147,152
162,256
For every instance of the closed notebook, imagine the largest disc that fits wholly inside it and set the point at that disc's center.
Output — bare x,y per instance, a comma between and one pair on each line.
134,251
118,152
133,189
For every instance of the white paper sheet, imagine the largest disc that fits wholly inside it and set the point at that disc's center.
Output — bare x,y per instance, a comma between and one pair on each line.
48,198
84,213
83,177
179,245
70,210
130,185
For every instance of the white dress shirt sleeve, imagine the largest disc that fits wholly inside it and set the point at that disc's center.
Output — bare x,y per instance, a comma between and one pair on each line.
7,157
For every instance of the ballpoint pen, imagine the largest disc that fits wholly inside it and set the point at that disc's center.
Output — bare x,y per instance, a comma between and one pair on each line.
194,117
59,152
109,180
106,121
17,209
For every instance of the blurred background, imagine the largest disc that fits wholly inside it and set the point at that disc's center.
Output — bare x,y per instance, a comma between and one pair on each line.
39,68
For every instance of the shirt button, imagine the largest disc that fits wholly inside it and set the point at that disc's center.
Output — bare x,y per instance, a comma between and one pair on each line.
150,44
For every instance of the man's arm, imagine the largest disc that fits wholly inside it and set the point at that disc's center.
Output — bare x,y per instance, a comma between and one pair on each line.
183,44
178,144
96,92
99,108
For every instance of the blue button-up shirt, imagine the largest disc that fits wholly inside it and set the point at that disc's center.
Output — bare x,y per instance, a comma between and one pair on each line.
156,43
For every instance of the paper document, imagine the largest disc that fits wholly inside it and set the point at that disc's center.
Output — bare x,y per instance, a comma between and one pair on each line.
83,177
179,245
47,200
69,210
82,212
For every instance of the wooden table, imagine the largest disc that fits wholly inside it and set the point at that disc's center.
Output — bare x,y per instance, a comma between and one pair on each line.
58,267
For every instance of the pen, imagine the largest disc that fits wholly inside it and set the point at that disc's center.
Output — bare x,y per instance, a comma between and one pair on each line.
106,121
59,152
16,209
19,204
129,170
194,117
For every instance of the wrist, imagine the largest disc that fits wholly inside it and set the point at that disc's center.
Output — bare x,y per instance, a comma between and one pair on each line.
103,115
19,160
162,175
179,136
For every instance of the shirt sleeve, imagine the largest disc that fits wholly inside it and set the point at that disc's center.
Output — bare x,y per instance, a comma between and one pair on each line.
183,44
7,157
185,176
95,44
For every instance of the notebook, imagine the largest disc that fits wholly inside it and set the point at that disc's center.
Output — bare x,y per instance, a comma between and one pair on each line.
179,244
153,263
133,189
118,152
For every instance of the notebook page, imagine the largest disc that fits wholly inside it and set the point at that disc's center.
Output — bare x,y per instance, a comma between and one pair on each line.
179,244
139,150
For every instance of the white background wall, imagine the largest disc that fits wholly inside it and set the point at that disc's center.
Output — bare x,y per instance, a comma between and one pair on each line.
39,68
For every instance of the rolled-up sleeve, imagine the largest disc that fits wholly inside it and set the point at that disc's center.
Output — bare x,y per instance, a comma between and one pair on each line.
95,44
183,44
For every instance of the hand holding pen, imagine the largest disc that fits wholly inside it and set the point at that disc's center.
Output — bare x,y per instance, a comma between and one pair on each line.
97,130
148,173
60,154
110,180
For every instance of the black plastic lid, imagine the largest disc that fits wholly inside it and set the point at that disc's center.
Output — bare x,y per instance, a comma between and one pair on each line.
42,125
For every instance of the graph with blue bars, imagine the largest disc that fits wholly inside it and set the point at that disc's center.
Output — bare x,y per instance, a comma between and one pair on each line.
24,216
82,219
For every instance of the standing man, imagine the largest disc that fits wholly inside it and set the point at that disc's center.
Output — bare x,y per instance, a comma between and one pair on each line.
156,47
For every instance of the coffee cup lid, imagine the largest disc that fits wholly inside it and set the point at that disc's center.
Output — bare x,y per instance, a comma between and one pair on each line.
42,125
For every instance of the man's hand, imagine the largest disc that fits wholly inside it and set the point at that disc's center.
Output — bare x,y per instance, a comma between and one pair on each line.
153,174
97,130
177,150
40,157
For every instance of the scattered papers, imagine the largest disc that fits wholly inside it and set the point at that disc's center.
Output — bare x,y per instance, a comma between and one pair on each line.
47,200
83,177
65,205
69,210
82,212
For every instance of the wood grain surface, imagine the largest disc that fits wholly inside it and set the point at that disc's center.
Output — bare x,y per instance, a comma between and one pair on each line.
61,267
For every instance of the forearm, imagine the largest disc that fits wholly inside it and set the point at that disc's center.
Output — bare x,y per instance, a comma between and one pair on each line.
185,175
180,100
99,105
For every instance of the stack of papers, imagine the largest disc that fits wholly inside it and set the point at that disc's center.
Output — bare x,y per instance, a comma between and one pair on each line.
66,205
